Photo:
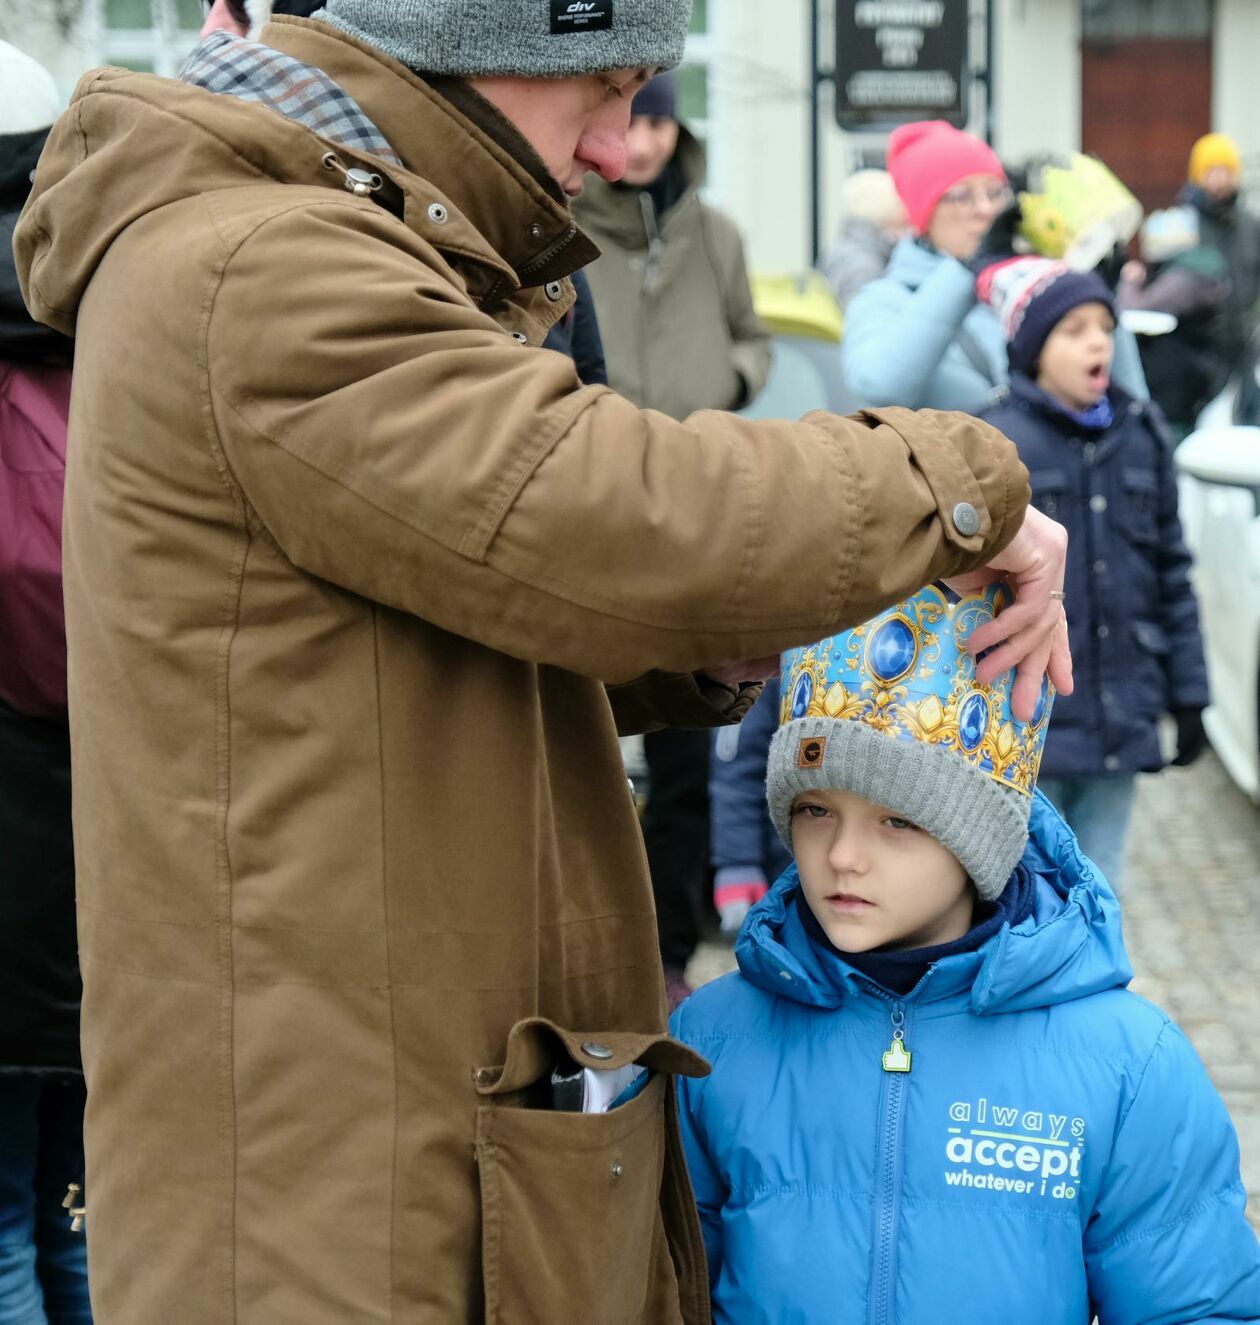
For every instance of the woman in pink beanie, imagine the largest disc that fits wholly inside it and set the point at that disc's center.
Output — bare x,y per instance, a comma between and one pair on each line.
917,336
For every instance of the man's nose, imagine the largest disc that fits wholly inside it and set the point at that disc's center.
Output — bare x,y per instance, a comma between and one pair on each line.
604,150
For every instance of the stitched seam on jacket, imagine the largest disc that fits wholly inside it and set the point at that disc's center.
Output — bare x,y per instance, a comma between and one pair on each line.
1145,1234
854,514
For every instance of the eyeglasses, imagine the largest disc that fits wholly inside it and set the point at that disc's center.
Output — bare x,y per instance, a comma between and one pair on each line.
997,197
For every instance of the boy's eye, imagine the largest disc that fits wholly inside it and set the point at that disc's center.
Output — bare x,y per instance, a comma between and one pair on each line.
901,825
810,811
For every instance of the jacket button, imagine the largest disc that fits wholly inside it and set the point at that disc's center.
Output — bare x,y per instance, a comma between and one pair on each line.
1100,567
437,213
1112,763
1135,407
1098,503
520,337
483,1076
1103,632
966,519
554,291
593,1049
785,975
535,231
616,1171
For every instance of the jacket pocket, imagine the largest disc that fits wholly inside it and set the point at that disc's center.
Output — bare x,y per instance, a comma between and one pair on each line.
1141,505
571,1202
1050,488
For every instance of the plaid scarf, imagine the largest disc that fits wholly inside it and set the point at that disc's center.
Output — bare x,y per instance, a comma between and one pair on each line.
235,67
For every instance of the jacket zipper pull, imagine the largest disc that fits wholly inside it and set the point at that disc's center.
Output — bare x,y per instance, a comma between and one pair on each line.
898,1057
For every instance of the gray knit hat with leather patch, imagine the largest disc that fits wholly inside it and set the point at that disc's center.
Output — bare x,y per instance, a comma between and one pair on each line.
982,823
893,712
528,38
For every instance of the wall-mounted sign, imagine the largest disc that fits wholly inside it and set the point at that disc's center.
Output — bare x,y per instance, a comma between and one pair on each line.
901,60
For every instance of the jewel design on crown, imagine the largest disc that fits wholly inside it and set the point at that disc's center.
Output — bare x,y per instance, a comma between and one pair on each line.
906,673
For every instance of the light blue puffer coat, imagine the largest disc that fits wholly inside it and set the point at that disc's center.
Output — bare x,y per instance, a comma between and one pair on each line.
1056,1149
917,337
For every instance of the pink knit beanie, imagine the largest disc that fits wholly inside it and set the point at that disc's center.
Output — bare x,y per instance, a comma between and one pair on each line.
927,159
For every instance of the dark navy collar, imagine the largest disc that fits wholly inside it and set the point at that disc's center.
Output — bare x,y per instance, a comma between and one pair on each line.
1098,418
900,972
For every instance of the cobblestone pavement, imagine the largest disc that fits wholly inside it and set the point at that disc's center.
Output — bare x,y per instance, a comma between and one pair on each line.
1192,925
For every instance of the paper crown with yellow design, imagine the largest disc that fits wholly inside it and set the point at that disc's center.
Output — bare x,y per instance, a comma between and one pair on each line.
892,711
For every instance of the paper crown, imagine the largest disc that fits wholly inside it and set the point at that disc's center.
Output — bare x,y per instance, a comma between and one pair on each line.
1079,214
907,673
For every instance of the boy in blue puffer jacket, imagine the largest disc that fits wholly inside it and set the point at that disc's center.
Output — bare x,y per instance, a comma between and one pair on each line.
933,1101
1100,463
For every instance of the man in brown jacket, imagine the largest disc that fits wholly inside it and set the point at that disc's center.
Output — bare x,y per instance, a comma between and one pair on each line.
360,587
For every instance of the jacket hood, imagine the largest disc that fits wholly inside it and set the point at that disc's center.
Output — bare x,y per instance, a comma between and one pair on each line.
1070,947
614,212
97,175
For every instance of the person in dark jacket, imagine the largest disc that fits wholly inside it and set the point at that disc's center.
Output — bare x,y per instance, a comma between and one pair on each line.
744,850
1100,463
1225,224
43,1259
1180,275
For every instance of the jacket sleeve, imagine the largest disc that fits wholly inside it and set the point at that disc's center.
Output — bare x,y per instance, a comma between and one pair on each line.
751,339
392,439
1185,667
706,1182
1168,1242
737,787
895,338
687,700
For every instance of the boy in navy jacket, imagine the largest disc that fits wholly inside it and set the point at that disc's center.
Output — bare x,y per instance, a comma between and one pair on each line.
933,1101
1100,463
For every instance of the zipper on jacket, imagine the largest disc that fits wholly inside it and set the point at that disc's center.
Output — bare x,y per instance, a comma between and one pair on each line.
896,1062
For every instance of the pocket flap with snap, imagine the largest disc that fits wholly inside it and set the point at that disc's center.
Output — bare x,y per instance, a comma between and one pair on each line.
533,1043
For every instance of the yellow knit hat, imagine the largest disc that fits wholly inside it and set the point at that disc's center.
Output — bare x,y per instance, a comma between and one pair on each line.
1212,150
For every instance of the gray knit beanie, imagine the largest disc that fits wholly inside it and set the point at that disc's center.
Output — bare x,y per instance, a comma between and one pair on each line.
891,711
530,38
981,822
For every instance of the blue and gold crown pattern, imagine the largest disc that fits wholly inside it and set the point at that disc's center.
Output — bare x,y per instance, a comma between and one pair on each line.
907,673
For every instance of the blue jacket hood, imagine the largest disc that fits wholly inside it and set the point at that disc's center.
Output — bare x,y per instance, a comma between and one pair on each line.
1070,947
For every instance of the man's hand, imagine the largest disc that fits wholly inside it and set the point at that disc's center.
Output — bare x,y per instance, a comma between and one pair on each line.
744,673
1031,634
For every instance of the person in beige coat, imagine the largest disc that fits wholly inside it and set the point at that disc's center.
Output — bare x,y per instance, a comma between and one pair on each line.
361,584
671,283
680,334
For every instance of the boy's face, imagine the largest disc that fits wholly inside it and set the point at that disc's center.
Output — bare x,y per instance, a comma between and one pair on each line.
874,880
1075,364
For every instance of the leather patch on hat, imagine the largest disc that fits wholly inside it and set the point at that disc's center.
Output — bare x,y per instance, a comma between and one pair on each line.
809,754
569,16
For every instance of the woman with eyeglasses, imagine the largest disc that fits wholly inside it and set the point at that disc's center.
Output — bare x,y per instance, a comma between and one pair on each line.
917,336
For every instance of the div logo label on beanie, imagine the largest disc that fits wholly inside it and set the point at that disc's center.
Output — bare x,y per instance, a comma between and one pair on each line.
571,16
907,674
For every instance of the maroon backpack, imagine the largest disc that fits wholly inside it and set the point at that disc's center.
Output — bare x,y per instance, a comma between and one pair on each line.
34,407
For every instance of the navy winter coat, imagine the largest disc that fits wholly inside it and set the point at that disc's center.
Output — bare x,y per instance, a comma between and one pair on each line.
1132,615
1055,1151
741,834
